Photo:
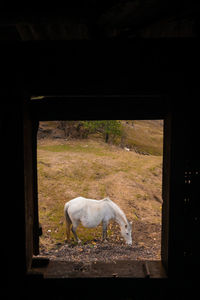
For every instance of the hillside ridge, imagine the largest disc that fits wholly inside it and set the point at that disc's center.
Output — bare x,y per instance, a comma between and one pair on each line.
143,136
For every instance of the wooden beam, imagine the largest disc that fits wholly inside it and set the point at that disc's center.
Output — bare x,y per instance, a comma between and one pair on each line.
98,107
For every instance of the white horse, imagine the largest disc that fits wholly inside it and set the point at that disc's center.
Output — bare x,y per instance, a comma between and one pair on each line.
92,212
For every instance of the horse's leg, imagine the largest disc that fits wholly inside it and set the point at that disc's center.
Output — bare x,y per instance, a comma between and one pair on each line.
74,226
104,232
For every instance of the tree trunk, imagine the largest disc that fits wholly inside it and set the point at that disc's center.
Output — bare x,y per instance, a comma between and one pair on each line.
107,137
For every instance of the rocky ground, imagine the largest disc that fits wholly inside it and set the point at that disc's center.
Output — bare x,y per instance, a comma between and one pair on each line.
102,252
144,247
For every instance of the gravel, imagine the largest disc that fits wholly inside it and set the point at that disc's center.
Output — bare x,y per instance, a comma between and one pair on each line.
99,251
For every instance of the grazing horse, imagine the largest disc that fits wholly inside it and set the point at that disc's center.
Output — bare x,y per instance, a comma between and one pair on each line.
92,212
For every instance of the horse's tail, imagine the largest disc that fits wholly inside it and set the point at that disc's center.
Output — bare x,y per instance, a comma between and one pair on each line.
68,221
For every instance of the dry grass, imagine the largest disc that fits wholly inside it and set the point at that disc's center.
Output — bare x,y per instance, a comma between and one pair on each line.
93,169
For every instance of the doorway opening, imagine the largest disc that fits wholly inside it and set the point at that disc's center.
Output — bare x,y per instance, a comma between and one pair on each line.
119,159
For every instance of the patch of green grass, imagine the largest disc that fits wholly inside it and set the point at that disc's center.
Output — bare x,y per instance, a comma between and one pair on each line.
138,196
74,148
89,234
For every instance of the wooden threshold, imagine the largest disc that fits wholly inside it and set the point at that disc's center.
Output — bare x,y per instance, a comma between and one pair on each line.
118,269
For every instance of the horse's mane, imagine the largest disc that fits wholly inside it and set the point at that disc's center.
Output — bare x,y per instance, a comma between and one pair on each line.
116,207
106,199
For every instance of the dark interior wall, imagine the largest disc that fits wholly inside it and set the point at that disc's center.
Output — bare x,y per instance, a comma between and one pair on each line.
151,67
138,65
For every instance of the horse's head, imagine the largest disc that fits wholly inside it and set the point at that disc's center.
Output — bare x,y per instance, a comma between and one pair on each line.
126,231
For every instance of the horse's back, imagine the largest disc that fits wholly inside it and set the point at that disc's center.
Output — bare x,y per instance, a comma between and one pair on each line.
89,211
78,203
76,200
83,201
82,209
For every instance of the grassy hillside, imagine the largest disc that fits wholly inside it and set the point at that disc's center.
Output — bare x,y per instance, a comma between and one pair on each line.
145,136
94,169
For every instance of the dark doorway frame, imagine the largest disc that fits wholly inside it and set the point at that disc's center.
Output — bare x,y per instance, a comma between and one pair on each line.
92,107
